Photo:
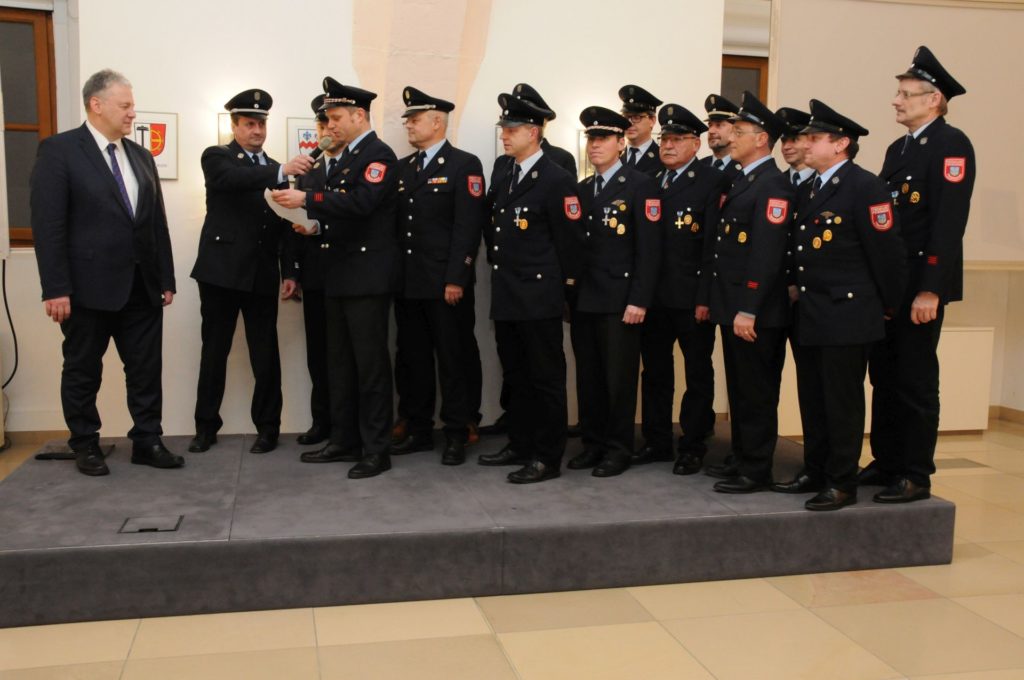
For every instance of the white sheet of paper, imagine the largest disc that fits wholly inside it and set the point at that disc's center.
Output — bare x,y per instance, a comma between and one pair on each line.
293,215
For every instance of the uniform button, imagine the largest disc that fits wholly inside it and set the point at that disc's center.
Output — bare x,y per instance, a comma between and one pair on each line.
920,253
588,234
435,190
495,247
409,234
716,256
539,276
409,252
410,199
363,249
799,248
787,271
216,238
627,275
714,273
802,227
803,289
502,210
722,220
410,217
849,295
327,245
590,217
698,272
495,267
497,229
264,226
789,252
719,238
800,268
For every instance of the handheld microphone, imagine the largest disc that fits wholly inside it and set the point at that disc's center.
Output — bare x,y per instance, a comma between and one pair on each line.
324,144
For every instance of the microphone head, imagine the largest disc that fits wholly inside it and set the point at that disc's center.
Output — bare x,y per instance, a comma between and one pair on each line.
325,142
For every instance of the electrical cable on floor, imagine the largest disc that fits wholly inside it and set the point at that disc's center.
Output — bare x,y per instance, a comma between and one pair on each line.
14,336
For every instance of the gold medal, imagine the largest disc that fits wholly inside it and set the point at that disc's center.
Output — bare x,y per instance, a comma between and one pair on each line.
613,222
905,188
915,197
838,220
695,227
816,243
688,219
742,237
622,207
621,230
826,235
523,224
727,228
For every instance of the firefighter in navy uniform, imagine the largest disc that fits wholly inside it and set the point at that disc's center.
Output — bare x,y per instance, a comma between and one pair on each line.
793,144
355,217
749,300
850,272
622,219
690,193
640,108
441,210
930,173
534,247
720,112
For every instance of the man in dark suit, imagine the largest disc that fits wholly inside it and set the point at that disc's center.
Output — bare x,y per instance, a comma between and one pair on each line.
356,230
793,144
690,193
850,270
104,255
930,173
720,112
640,107
622,218
534,248
441,211
237,269
749,301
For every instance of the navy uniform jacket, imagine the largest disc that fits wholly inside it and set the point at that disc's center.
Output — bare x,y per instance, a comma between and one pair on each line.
240,244
534,243
622,242
689,221
730,170
750,249
303,255
357,221
559,156
440,215
649,163
931,185
849,259
87,244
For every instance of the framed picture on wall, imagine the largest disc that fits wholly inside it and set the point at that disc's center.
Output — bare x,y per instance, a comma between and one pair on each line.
302,136
158,132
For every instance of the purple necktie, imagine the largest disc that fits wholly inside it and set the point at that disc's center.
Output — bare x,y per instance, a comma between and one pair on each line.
116,169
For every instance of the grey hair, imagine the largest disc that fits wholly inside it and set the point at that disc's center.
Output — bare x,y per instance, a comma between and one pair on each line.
99,82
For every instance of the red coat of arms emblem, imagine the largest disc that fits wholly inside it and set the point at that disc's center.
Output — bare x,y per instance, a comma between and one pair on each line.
572,207
881,216
953,169
777,210
652,209
375,172
475,184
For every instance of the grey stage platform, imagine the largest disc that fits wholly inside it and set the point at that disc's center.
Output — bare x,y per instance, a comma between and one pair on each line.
266,532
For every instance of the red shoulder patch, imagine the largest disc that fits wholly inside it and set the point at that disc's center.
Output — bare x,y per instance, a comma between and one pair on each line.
881,216
652,209
475,184
777,210
954,168
375,173
572,207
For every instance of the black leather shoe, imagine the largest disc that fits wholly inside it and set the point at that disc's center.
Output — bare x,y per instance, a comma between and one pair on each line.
265,442
740,484
649,454
413,443
687,464
832,499
802,483
332,453
611,466
202,442
534,471
903,491
156,455
454,452
313,435
370,466
586,460
89,461
499,426
874,476
504,457
727,469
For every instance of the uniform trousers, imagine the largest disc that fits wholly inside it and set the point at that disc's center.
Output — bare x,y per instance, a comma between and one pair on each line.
314,318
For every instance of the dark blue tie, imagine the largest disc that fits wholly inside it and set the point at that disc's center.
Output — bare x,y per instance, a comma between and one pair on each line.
116,169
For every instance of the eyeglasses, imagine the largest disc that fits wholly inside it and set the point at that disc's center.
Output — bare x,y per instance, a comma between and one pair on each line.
903,94
637,117
740,131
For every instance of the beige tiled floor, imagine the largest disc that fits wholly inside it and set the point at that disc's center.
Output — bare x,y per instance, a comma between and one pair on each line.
963,621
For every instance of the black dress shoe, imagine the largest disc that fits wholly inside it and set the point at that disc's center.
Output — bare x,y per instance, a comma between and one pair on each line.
454,452
413,443
507,456
903,491
872,475
499,426
202,442
265,442
156,455
832,499
534,471
727,469
89,461
586,460
574,431
740,484
332,453
649,454
688,464
313,435
802,483
611,465
370,466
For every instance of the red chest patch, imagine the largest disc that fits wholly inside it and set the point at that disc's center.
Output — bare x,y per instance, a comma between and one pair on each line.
954,168
777,210
375,173
652,208
881,216
475,184
572,207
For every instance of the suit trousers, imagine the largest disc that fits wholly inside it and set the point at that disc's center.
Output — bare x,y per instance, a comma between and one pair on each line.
830,389
220,308
904,370
471,367
753,376
428,329
137,330
662,328
314,318
607,368
359,365
533,368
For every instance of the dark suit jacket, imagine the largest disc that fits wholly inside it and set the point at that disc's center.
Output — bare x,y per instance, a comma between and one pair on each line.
240,245
440,214
931,184
750,249
622,242
689,222
87,244
303,255
357,221
848,259
649,163
560,156
730,170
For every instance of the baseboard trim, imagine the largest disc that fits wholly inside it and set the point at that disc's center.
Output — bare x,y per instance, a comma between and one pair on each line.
36,436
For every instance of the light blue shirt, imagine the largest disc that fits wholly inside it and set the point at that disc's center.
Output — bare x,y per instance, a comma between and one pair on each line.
827,175
528,163
609,173
432,151
355,142
759,162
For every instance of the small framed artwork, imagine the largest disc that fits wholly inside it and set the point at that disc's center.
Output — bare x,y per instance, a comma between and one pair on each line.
224,134
158,132
302,137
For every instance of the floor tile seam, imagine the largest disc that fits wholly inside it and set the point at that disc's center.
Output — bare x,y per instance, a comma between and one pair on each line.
238,482
982,616
496,637
131,645
316,642
164,657
693,655
858,645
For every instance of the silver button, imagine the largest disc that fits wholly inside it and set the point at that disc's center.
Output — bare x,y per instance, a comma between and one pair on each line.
920,253
363,249
719,238
409,234
497,229
802,227
800,248
800,268
627,275
803,289
495,247
502,210
216,238
539,276
495,267
409,252
849,295
410,217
